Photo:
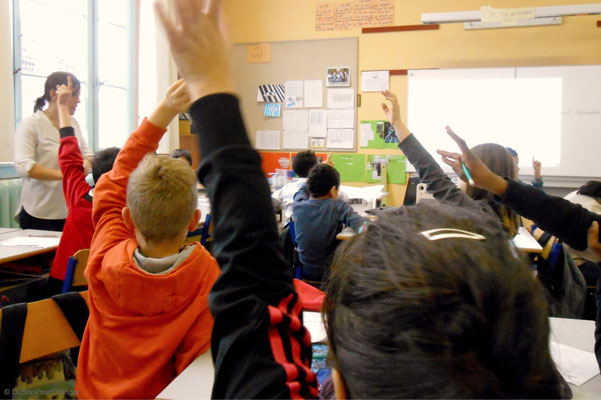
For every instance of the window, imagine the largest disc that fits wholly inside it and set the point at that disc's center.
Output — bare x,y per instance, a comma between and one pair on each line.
92,39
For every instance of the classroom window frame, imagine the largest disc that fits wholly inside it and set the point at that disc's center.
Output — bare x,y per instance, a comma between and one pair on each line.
92,79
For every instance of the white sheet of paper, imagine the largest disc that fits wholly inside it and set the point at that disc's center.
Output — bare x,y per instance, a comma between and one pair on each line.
341,118
367,193
268,140
318,142
524,240
314,324
575,365
318,123
296,119
31,241
295,140
314,93
341,98
375,81
341,138
294,94
365,134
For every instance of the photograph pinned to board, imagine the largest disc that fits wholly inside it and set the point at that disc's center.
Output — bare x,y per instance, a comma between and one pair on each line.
272,110
294,94
377,135
270,93
314,93
295,139
318,123
350,166
338,76
267,140
341,139
395,167
318,143
296,119
375,81
341,98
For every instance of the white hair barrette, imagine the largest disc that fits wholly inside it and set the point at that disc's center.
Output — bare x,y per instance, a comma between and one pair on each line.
450,233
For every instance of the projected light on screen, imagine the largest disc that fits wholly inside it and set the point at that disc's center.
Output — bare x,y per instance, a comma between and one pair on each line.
524,114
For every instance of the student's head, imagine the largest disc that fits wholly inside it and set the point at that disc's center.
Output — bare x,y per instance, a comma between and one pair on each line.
323,180
161,199
498,159
303,162
516,159
103,162
52,81
182,154
408,317
591,189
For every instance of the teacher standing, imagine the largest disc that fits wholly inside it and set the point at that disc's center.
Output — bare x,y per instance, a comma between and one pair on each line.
42,203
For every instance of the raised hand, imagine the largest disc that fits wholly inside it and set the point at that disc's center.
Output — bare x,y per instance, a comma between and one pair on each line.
481,175
198,45
64,92
393,114
177,97
536,165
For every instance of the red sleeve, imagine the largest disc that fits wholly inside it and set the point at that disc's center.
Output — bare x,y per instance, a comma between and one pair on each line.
70,162
111,189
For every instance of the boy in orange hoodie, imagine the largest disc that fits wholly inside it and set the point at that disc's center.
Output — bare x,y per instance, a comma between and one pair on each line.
149,315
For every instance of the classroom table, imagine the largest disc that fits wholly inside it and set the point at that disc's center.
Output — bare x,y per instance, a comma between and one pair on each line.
6,230
195,382
12,253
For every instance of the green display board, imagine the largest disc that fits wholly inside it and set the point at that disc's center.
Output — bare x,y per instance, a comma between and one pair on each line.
377,135
350,166
396,167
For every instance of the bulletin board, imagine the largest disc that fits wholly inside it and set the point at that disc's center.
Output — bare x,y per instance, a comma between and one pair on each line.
292,61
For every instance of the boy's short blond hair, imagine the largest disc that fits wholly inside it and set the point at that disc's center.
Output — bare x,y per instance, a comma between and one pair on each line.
161,197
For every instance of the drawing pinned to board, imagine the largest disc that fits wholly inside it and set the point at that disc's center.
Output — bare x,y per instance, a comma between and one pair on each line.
338,76
294,94
272,110
270,93
396,168
377,135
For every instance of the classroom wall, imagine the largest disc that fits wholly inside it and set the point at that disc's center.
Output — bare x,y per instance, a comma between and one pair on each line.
7,119
576,42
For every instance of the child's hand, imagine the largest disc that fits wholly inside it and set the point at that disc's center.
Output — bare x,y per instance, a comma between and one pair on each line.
177,97
481,175
63,93
393,114
536,165
198,45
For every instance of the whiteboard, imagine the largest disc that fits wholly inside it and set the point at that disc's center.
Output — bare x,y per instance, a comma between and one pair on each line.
551,113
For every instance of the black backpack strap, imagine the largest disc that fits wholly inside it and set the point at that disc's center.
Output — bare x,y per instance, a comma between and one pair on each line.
75,309
11,338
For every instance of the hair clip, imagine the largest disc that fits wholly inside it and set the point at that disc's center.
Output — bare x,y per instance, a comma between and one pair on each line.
450,233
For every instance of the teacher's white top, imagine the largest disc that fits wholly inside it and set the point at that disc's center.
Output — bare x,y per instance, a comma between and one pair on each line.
37,141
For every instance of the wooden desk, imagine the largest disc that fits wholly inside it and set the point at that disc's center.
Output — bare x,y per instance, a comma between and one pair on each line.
6,230
12,253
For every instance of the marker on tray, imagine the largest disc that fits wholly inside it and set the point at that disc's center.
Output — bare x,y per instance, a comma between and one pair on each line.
467,174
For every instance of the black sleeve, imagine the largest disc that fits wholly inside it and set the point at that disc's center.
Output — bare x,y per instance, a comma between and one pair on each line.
260,347
567,221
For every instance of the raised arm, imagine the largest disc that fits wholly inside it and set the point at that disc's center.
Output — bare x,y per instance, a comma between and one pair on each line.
428,170
259,346
568,221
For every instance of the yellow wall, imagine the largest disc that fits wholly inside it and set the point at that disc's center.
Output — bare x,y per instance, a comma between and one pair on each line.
576,41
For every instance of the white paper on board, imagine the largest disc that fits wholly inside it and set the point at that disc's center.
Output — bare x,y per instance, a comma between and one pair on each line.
365,134
341,98
295,139
294,94
313,93
341,118
318,123
341,138
375,81
296,119
318,142
268,140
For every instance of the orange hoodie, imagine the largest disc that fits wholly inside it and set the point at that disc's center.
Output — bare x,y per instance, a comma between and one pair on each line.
143,329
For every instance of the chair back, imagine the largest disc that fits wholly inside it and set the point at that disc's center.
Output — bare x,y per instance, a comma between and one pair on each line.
75,267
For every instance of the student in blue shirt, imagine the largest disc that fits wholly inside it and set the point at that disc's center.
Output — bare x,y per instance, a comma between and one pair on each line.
319,216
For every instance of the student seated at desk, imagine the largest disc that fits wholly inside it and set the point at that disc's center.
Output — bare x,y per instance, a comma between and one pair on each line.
318,217
149,315
468,322
78,230
301,165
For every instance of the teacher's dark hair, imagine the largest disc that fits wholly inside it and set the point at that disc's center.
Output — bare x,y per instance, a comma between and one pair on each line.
591,189
52,81
407,317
